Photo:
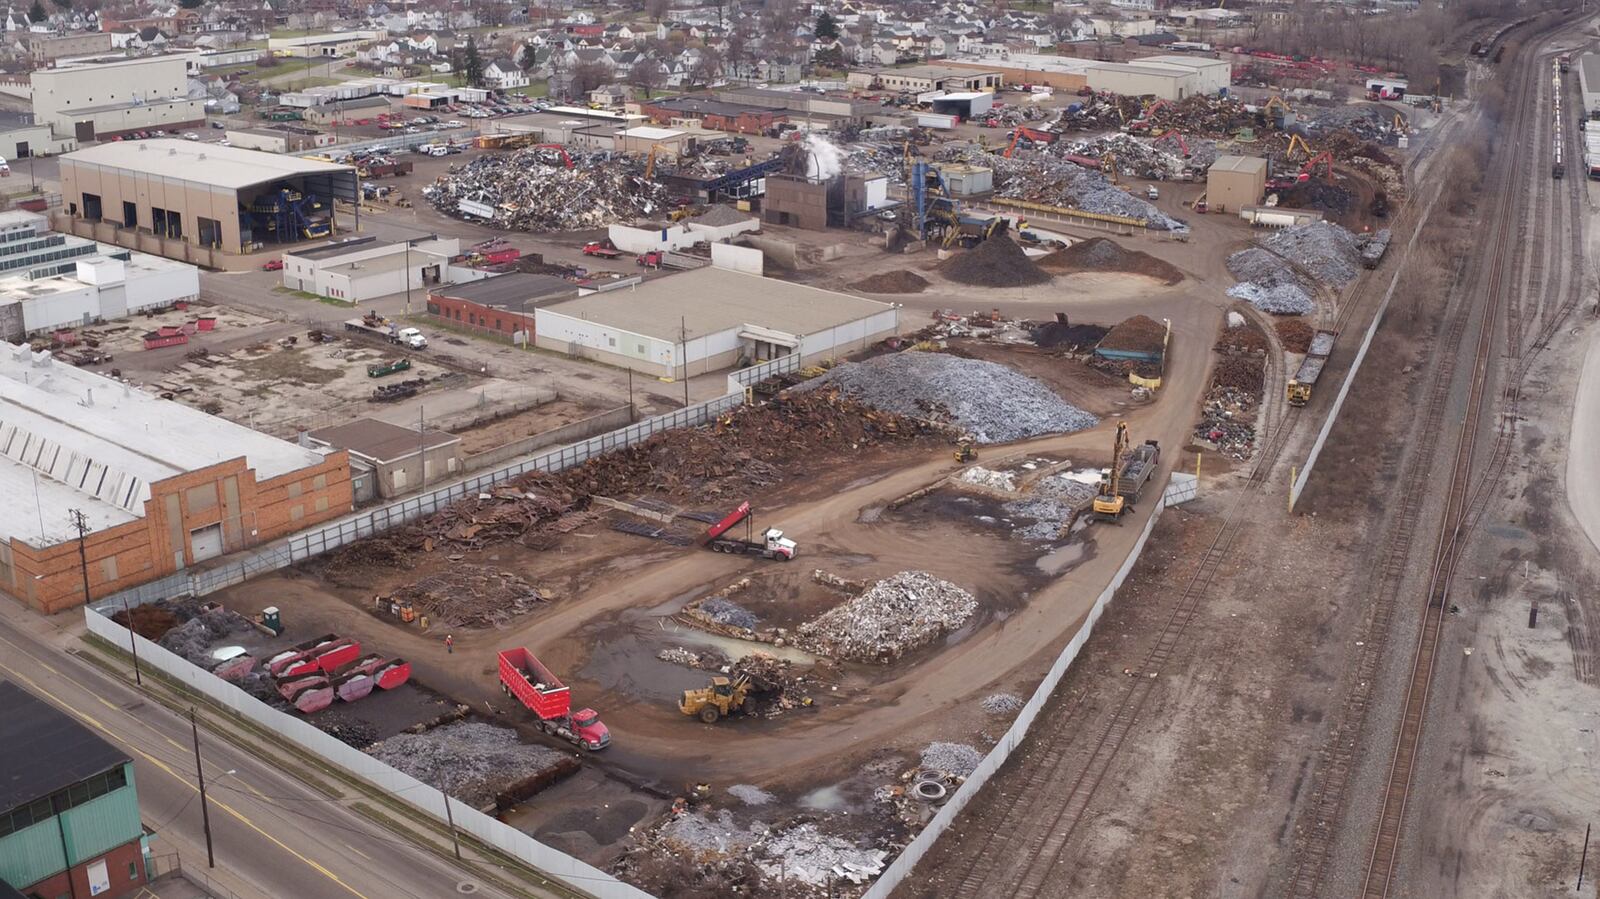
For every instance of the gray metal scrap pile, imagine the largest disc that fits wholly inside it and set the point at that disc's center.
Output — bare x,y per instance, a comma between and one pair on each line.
472,761
529,194
1269,283
1041,178
1328,252
993,402
1274,276
1157,161
894,616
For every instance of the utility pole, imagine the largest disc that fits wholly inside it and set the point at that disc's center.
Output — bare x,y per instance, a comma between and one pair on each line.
450,818
408,277
1584,859
683,336
200,773
133,644
81,524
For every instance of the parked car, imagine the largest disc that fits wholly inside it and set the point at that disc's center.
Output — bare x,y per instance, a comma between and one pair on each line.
272,265
190,135
218,125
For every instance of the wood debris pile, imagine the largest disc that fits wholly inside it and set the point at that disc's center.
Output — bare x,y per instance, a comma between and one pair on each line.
467,595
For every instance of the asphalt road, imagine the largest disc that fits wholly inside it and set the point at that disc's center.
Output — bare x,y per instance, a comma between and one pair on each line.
274,835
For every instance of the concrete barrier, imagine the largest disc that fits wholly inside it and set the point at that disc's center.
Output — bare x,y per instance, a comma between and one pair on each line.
609,420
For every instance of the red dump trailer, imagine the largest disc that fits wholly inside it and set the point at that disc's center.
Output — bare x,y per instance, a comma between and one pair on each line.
522,675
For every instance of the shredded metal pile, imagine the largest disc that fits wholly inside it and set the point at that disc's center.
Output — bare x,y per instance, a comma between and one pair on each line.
894,616
528,193
726,611
993,402
957,759
1001,703
1151,160
472,761
810,856
984,477
194,639
1270,283
1057,182
1227,421
750,794
1052,504
1326,251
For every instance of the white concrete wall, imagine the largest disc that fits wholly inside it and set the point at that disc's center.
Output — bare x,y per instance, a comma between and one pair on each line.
565,329
749,260
849,336
153,289
263,142
629,239
65,309
715,233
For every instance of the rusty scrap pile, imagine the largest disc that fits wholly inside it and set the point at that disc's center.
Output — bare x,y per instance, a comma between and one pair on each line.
528,193
1140,334
1243,339
467,595
1241,372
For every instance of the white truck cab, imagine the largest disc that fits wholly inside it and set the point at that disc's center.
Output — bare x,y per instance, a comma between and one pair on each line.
413,338
777,544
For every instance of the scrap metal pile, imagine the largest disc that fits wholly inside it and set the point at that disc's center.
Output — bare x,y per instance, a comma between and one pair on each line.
751,448
1269,283
467,595
779,687
1151,160
1053,181
529,193
470,760
1277,276
992,402
894,616
1227,422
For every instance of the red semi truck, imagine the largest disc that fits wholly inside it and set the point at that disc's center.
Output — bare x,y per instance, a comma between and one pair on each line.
522,675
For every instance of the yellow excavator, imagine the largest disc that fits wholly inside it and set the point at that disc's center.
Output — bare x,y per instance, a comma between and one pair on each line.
1110,503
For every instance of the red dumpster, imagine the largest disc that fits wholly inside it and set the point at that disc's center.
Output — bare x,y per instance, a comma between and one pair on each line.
155,340
206,323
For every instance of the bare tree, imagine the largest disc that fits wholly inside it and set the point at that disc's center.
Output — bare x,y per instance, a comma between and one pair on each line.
646,75
656,9
588,75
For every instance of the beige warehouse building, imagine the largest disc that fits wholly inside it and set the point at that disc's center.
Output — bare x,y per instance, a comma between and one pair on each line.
711,319
1234,182
186,194
97,99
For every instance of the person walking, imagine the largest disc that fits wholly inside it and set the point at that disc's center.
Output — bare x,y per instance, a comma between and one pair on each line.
449,644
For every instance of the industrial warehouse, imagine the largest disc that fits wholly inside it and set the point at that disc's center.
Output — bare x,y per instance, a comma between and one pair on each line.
710,319
203,196
160,486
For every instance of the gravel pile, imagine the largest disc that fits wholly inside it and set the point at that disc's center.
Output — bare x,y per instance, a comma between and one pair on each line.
726,611
894,616
997,262
1330,253
993,402
897,281
995,480
1101,254
957,759
749,794
1001,703
810,856
470,760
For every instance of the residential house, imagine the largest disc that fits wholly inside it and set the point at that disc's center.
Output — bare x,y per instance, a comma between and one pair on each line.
504,75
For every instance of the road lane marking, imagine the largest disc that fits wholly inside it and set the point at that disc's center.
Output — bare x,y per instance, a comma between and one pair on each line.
180,778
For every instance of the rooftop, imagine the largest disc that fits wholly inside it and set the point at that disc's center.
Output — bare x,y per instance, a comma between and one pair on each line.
934,72
713,300
380,440
18,286
1589,68
510,290
645,132
714,107
210,164
341,247
1250,164
43,749
70,438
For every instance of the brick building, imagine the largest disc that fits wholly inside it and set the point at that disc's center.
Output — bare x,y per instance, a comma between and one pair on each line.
712,115
498,307
161,486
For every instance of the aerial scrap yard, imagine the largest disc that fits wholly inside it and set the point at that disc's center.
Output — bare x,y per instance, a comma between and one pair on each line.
600,584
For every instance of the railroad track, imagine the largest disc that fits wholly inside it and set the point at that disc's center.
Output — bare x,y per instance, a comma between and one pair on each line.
1320,820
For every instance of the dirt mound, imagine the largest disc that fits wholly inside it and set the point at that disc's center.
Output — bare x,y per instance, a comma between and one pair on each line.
898,281
997,262
1140,334
1239,372
149,622
1295,335
1101,254
1242,339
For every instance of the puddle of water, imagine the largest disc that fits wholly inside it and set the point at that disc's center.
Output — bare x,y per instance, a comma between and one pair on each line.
735,648
1061,558
828,799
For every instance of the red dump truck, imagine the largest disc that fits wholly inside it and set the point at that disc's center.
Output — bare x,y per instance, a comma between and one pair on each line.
522,675
772,545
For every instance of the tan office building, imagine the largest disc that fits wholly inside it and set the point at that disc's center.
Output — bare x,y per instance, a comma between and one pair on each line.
1234,182
115,95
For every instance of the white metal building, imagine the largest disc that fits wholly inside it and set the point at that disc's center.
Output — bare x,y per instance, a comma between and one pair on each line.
1164,77
364,268
99,98
711,319
1589,83
104,288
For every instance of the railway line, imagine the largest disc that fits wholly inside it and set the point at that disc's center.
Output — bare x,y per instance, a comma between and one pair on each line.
1542,211
1075,769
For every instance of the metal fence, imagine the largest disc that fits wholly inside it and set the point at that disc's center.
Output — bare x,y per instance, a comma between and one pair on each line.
170,865
399,786
308,544
907,860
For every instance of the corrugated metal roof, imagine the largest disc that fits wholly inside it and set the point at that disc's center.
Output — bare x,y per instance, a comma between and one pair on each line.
1250,164
210,164
43,749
